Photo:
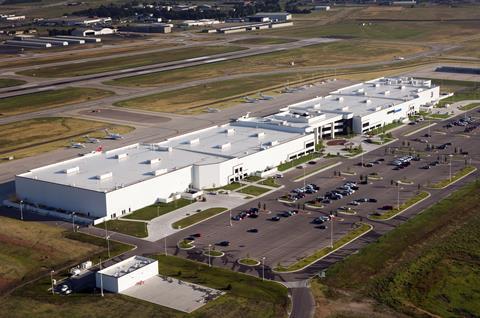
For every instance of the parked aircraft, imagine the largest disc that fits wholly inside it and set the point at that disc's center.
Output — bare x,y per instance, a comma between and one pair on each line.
91,140
77,145
265,97
113,136
249,100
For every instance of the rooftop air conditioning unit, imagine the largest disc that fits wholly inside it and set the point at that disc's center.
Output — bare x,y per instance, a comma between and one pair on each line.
154,161
165,148
194,141
121,156
230,131
224,146
386,93
72,170
104,176
274,143
260,135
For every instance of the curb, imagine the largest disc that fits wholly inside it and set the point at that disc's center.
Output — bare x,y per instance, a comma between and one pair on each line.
332,251
400,212
455,181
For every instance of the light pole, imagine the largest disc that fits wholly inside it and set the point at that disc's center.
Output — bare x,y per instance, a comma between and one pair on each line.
450,169
101,278
158,210
51,280
263,268
21,210
362,159
165,244
73,221
230,217
108,244
331,230
209,251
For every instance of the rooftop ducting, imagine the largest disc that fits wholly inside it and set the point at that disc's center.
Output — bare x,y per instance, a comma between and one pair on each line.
72,170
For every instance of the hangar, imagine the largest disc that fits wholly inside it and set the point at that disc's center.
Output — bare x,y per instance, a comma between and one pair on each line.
114,183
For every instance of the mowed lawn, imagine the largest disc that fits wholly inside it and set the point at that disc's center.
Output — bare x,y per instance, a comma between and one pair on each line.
158,209
29,248
49,99
263,41
9,82
246,296
30,137
326,54
119,63
429,263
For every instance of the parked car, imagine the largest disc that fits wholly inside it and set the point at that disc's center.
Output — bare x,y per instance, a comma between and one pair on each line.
224,243
275,218
252,230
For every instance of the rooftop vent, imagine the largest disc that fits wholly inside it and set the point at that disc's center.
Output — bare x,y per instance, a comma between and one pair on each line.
260,135
386,93
224,146
345,108
376,85
121,156
164,148
193,141
104,176
230,131
153,161
419,90
72,170
274,143
367,101
340,99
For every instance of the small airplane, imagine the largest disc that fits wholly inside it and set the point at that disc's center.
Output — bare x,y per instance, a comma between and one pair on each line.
265,97
289,90
249,100
77,145
113,136
212,110
91,140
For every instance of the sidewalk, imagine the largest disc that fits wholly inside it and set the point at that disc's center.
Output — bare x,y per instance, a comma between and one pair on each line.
161,226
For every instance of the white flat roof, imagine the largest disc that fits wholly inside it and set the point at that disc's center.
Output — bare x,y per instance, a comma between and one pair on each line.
124,166
127,266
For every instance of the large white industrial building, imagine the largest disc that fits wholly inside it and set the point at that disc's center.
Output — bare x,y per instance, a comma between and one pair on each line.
116,182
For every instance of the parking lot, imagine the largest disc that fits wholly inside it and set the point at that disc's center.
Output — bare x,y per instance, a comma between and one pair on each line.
448,150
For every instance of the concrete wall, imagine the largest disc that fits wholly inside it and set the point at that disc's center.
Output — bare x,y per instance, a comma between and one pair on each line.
141,194
119,284
61,196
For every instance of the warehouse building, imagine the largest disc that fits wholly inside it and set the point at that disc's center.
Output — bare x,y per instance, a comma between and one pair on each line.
125,274
114,183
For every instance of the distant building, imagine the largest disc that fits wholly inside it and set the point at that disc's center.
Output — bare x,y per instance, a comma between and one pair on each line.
12,17
322,8
77,21
202,22
275,16
93,31
148,28
404,3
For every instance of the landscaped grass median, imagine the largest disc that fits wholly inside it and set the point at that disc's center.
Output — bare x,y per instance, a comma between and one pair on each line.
320,166
350,236
430,262
249,262
391,213
246,295
21,104
298,161
469,106
197,217
155,210
133,228
9,82
124,62
271,182
253,190
446,182
230,186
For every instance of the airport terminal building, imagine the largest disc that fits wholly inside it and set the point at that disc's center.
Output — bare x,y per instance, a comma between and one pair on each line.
116,182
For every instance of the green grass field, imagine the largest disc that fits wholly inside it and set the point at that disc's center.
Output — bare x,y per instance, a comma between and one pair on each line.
430,262
133,228
403,206
246,296
470,106
263,41
46,134
49,99
254,190
271,182
326,54
230,186
296,162
9,82
158,209
197,217
455,176
119,63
